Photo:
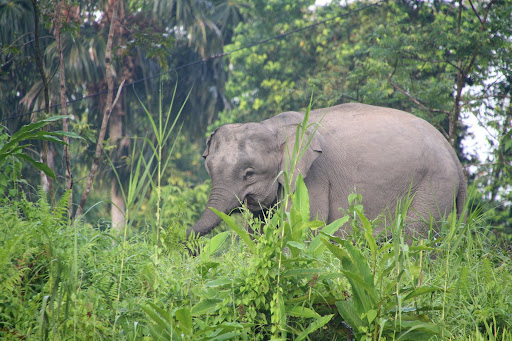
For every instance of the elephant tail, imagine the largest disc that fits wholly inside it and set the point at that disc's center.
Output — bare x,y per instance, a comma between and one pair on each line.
461,198
462,193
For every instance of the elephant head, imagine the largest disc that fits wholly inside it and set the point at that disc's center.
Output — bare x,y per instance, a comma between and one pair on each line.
245,163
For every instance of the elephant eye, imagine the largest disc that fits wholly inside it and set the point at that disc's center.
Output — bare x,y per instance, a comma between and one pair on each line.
248,173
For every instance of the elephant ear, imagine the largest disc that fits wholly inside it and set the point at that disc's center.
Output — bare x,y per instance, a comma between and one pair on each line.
207,150
311,147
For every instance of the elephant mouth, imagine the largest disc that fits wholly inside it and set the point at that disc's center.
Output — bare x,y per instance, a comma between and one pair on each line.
251,203
257,205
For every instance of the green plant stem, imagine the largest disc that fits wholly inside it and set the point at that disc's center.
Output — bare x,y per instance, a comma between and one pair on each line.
160,140
445,287
121,270
279,266
158,201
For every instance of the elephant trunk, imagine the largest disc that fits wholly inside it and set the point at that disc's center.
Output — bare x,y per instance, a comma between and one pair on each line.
222,200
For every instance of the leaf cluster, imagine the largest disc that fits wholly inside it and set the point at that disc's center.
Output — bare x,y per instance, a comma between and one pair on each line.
12,148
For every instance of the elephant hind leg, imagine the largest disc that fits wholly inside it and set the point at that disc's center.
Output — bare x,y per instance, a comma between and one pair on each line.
428,210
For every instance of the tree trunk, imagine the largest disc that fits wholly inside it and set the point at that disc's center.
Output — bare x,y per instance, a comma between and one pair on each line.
46,181
63,103
118,208
106,113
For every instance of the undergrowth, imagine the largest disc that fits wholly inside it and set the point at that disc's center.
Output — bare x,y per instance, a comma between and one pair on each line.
292,279
60,282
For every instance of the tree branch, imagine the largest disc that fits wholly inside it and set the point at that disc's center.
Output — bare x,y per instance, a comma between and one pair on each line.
464,71
39,63
476,13
106,113
421,105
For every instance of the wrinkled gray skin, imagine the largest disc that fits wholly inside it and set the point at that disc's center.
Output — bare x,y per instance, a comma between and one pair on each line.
378,152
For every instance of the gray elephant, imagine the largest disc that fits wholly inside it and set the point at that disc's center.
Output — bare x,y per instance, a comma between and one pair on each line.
378,152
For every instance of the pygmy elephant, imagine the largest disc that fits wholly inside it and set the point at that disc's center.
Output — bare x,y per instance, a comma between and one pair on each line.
383,154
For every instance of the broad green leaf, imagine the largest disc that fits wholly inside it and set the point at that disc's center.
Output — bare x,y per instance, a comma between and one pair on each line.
155,313
184,318
358,262
15,150
221,336
46,136
368,232
214,243
371,315
336,251
300,198
332,238
39,165
62,133
315,224
159,333
349,314
295,217
422,291
316,246
165,314
357,282
205,307
318,323
296,245
29,129
241,232
299,311
417,330
226,327
218,283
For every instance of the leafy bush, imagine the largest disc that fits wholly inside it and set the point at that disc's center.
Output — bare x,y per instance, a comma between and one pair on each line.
182,205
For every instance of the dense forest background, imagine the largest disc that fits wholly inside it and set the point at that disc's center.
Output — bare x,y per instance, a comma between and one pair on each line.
104,110
238,61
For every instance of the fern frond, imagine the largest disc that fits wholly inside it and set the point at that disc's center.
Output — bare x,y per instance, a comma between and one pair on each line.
61,209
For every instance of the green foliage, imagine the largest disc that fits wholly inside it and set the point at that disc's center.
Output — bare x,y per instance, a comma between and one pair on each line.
12,149
178,325
269,79
59,280
183,202
382,306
